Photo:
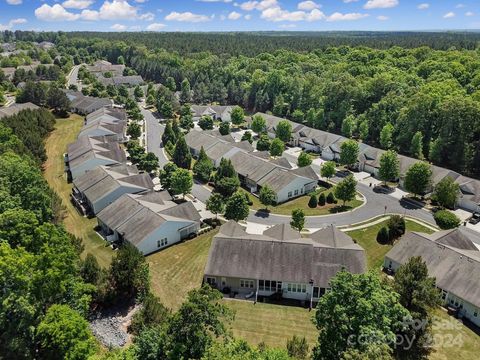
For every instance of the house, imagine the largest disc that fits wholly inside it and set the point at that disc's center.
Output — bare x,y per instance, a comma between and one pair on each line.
280,261
103,66
88,152
132,80
150,221
106,115
98,188
46,45
16,108
217,112
85,105
469,198
98,128
453,258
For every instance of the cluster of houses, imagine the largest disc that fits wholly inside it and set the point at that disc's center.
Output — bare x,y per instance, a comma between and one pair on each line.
328,145
123,198
14,109
254,168
216,112
115,75
85,105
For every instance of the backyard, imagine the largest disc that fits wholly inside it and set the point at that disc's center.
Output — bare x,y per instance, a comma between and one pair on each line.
302,203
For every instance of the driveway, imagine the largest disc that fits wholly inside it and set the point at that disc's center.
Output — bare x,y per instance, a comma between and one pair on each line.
154,132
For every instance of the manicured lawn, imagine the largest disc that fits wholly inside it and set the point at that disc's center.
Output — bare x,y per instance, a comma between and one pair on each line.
367,238
177,270
302,203
272,324
66,131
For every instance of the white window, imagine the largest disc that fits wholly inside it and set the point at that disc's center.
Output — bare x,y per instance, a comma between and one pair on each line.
248,284
297,288
162,242
289,194
296,192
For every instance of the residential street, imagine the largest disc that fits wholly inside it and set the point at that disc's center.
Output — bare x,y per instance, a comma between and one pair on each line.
154,132
72,78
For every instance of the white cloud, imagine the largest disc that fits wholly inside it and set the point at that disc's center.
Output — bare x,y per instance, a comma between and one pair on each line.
287,26
382,18
90,15
307,5
115,10
14,2
118,27
469,13
156,27
423,6
234,15
449,15
54,13
278,14
346,17
12,23
380,4
259,5
459,6
77,4
186,17
147,16
248,17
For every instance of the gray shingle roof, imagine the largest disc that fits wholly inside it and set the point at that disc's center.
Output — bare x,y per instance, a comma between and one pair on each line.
16,108
234,253
450,257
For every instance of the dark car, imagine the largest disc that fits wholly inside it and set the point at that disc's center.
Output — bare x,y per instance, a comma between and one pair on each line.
475,219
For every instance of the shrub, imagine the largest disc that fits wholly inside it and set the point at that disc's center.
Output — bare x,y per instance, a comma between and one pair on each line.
249,201
321,199
383,236
313,202
330,198
396,227
446,219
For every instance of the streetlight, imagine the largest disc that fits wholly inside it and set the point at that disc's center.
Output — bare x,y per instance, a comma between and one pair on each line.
311,294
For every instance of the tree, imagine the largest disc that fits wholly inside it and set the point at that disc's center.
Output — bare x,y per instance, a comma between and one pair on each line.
168,134
353,325
348,126
267,196
170,84
313,202
148,162
446,219
152,313
349,151
297,347
90,270
283,131
165,174
419,295
386,136
446,192
185,92
304,159
216,204
206,122
58,101
383,237
129,272
247,136
321,199
396,227
150,344
298,219
389,166
258,124
328,170
203,167
237,115
224,128
277,147
236,207
345,190
263,143
65,334
227,186
199,320
331,198
181,155
239,350
138,93
186,122
416,148
418,178
134,130
181,182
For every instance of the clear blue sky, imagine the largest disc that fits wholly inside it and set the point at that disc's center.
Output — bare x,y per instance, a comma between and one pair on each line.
232,15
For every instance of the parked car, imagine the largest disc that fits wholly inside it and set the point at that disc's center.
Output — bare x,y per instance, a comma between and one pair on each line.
475,219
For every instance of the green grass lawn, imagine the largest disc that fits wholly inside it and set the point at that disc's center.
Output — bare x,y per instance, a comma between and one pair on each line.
66,131
302,203
367,238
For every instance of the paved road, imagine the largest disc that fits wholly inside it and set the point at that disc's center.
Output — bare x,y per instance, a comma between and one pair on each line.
154,136
72,78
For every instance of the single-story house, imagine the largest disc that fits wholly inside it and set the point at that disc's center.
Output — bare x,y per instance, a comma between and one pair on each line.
150,221
89,152
280,261
131,80
99,128
106,115
14,109
217,112
103,66
98,188
453,258
85,105
469,198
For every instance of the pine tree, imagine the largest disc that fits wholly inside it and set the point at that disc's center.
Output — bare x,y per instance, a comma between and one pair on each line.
181,155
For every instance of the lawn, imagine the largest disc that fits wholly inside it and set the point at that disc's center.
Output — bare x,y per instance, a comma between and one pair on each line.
367,238
66,131
302,203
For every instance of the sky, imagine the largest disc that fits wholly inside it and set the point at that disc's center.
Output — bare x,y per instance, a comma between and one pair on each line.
238,15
